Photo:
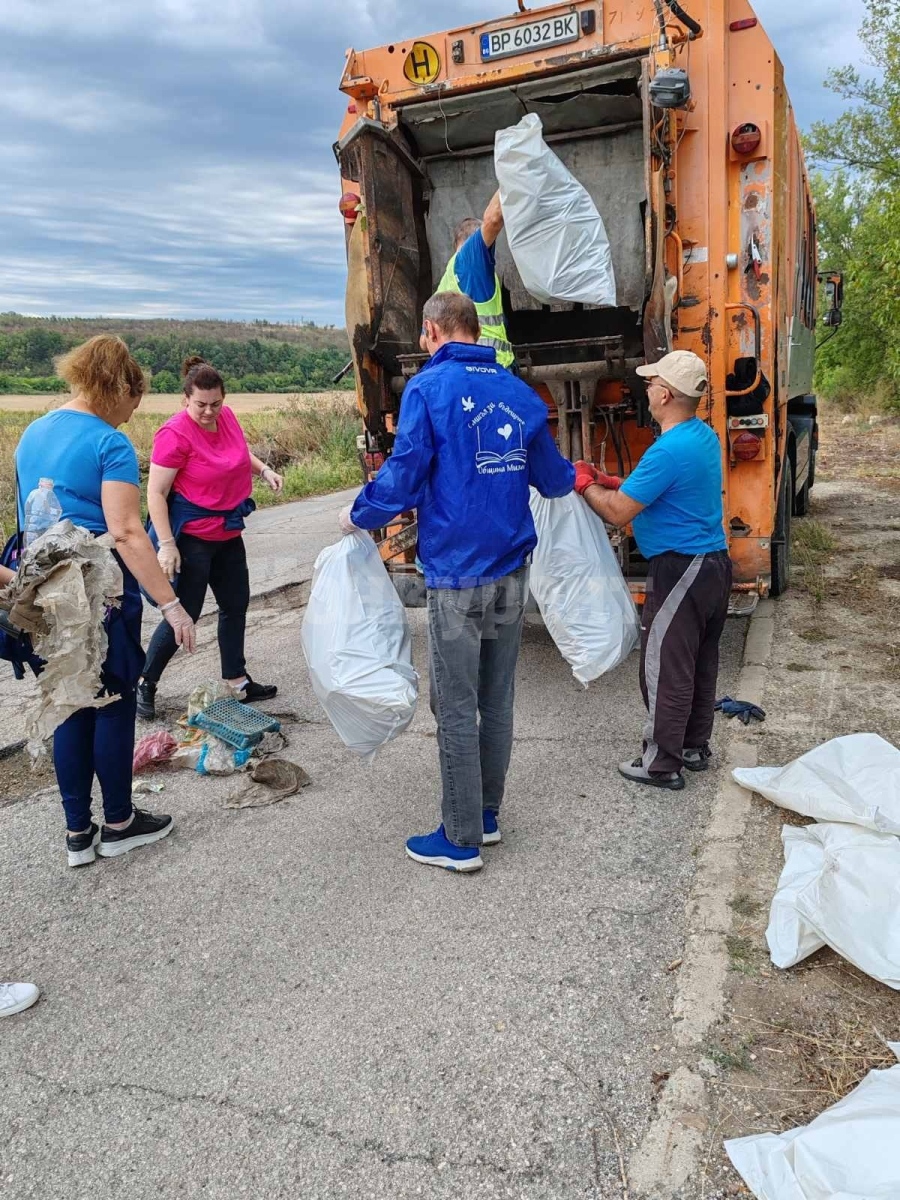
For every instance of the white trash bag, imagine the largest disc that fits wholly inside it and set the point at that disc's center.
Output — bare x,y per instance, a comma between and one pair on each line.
840,887
850,1152
555,233
579,588
854,779
356,641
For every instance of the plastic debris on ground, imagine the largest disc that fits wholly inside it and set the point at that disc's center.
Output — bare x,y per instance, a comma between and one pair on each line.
556,235
153,749
146,787
206,694
239,725
66,582
854,779
850,1152
276,778
579,587
356,641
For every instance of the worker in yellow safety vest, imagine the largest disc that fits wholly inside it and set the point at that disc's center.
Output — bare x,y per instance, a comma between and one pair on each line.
472,270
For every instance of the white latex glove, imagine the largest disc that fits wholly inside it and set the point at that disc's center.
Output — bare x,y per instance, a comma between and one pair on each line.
183,628
344,521
271,479
169,560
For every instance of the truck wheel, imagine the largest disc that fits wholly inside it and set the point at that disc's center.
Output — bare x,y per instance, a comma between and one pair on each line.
781,550
810,482
801,501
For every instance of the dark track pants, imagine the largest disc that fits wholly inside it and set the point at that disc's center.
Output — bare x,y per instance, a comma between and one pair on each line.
681,624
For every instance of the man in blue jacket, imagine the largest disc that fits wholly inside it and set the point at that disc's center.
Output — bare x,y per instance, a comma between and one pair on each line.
470,440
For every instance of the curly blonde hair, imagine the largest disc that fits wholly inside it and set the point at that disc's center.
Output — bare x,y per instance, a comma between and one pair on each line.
104,372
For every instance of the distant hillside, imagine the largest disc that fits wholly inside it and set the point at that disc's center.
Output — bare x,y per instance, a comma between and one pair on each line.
253,356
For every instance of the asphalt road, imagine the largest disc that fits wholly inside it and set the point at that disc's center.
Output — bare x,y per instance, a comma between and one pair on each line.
276,1002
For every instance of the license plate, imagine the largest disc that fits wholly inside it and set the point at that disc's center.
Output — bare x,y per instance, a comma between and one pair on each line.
535,35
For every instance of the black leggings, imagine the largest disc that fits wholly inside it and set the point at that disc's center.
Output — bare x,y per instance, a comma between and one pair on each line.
221,566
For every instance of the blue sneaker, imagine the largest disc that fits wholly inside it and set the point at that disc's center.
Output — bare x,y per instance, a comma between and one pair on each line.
436,850
491,828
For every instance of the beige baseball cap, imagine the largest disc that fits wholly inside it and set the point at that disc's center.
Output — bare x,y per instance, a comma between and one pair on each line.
682,370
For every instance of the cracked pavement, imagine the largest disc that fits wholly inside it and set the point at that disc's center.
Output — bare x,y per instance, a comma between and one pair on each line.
276,1002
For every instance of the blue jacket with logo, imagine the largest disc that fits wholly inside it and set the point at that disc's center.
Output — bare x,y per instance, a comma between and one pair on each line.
470,441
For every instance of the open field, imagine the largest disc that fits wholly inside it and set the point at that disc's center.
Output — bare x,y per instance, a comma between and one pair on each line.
310,439
165,404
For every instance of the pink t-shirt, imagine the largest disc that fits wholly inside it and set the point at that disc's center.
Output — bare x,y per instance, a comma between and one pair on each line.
213,468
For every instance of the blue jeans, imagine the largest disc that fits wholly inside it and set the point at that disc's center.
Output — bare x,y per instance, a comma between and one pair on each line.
100,741
474,637
96,741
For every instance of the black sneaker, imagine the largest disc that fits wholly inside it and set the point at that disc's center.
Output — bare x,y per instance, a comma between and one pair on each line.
80,846
638,773
146,700
698,759
144,829
252,692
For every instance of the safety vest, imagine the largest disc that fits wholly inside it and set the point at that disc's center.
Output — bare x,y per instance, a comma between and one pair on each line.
490,315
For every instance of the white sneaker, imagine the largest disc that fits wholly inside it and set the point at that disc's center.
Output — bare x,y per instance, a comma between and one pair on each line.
15,997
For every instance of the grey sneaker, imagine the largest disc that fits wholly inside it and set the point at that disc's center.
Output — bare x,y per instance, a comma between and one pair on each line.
638,773
697,759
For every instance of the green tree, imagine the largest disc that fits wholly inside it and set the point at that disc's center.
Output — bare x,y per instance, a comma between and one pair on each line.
859,212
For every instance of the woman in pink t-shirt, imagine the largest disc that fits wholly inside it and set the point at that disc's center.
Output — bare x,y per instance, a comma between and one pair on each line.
201,478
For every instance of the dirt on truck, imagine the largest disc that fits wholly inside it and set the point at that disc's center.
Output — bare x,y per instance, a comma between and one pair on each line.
680,128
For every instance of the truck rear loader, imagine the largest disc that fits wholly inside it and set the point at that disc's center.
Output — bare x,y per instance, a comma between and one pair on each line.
679,126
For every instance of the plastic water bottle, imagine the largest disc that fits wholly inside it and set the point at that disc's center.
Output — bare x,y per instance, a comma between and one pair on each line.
42,510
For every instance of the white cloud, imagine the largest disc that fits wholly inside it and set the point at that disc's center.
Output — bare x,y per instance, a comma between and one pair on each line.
86,110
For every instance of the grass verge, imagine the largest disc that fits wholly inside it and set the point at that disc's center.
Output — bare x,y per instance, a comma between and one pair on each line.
310,440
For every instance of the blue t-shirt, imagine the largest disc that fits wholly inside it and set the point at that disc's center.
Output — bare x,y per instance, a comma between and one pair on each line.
679,480
80,453
476,269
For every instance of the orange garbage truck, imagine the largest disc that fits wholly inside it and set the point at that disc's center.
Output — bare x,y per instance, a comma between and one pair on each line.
679,126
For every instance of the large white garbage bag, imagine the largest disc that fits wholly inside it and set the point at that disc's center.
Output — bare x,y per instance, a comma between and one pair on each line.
356,640
843,884
854,779
850,1152
790,937
579,588
555,233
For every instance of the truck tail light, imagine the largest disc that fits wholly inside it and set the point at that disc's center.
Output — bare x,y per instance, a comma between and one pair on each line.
746,446
746,138
745,23
349,207
374,461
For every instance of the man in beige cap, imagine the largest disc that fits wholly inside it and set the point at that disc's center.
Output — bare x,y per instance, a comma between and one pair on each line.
673,499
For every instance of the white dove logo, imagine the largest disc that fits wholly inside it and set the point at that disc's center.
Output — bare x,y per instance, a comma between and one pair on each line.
468,403
505,431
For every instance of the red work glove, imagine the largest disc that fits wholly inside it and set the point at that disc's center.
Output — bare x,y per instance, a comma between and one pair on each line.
586,475
612,482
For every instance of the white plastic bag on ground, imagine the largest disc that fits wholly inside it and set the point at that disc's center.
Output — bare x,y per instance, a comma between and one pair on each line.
854,779
844,885
356,640
555,233
850,1152
579,588
790,937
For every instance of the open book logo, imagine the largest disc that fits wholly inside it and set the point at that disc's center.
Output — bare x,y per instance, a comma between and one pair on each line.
501,445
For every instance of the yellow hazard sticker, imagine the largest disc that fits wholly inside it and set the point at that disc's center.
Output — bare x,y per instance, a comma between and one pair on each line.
423,63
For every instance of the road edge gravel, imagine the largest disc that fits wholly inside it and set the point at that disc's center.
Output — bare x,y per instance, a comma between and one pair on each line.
670,1151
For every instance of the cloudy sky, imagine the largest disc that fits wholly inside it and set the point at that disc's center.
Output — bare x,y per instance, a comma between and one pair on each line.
173,157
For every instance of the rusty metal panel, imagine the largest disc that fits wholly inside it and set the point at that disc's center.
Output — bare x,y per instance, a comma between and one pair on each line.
397,266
